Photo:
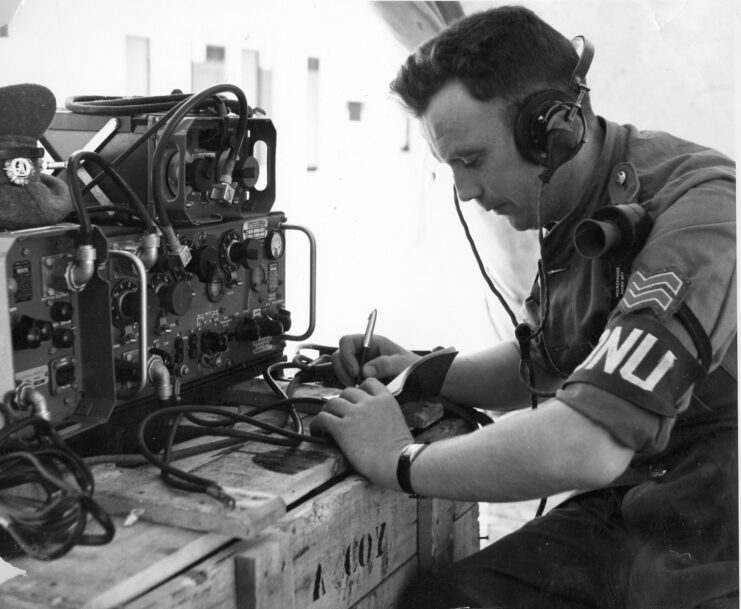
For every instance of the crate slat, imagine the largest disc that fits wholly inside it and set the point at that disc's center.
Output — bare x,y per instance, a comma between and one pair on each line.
140,556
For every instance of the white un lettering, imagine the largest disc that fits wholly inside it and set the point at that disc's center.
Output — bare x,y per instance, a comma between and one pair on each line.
618,356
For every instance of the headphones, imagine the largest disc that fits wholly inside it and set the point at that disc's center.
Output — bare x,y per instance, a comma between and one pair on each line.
545,130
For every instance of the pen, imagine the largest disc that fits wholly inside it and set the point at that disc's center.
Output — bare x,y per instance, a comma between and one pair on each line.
365,346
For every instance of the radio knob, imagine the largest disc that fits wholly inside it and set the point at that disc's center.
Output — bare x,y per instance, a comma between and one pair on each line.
26,334
270,327
63,338
284,317
176,298
241,253
204,263
128,305
61,311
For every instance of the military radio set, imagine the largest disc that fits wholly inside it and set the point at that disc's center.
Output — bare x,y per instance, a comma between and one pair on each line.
170,281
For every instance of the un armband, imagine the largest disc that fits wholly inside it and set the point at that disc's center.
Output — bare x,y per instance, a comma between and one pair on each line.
639,360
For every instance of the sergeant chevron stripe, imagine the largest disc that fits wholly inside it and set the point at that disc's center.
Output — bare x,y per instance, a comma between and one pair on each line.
662,291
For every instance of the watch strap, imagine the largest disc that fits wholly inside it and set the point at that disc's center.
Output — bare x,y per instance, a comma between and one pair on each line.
404,466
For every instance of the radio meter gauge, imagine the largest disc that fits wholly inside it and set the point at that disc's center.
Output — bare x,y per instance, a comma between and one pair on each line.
275,244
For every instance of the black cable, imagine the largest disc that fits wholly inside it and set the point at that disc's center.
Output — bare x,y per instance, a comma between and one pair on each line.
479,262
107,106
186,106
135,145
179,478
105,167
33,455
86,229
128,106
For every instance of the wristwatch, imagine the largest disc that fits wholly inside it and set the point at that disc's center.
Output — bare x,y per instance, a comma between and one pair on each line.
404,467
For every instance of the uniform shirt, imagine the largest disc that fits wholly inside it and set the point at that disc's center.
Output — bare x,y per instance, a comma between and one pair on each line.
689,192
682,485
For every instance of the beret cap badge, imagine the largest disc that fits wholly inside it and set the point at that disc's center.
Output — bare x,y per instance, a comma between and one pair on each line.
19,170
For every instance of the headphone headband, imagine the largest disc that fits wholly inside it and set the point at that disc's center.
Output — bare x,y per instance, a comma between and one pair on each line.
585,50
545,130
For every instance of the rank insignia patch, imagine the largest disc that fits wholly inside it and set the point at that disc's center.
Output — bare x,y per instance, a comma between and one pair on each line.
661,291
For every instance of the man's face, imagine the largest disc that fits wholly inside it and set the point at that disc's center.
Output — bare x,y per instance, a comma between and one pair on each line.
473,138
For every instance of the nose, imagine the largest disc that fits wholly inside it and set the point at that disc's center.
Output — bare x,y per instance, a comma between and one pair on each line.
466,185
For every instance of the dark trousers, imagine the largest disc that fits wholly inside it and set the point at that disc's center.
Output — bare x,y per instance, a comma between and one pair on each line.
580,555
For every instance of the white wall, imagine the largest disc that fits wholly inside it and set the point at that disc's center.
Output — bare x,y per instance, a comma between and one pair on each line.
387,234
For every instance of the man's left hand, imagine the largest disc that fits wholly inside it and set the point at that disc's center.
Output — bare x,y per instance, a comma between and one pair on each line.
369,427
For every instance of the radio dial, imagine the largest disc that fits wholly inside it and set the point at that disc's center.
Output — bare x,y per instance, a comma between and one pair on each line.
275,245
126,306
226,256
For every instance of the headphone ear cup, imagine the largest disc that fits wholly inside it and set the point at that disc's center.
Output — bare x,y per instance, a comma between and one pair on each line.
542,134
562,144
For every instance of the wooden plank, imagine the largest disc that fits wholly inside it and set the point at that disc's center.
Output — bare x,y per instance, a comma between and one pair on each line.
289,473
262,477
156,573
120,491
139,557
466,533
264,574
206,585
435,533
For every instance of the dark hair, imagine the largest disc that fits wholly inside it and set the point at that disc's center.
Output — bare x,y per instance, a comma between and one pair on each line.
506,52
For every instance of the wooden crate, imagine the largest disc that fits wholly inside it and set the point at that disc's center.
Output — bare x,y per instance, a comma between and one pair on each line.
307,533
351,546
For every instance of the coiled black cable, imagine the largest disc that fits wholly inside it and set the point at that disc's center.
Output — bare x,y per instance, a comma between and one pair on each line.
48,524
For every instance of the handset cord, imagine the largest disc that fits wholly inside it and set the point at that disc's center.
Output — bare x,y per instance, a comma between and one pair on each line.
523,332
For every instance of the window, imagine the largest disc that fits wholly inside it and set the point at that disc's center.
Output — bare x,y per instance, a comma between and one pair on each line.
312,115
137,65
210,72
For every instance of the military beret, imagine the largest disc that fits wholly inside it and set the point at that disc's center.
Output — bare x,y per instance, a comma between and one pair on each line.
28,197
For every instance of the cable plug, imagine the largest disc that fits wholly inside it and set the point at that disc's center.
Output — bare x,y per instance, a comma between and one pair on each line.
223,191
174,247
219,493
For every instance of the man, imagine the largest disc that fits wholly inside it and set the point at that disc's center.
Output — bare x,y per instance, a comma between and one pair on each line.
643,420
